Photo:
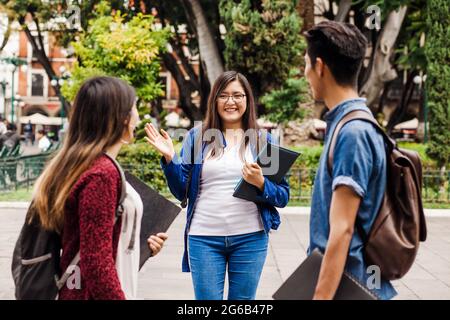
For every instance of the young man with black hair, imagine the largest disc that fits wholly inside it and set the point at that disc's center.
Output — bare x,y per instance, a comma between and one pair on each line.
355,184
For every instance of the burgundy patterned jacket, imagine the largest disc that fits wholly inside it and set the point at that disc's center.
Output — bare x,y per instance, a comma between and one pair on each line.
89,227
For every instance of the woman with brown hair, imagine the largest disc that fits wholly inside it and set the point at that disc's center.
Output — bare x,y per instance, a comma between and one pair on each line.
78,193
225,232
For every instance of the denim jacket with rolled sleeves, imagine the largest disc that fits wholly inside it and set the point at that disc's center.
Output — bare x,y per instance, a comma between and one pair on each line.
177,172
359,162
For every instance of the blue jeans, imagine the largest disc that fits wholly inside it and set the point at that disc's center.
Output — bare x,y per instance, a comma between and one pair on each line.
244,255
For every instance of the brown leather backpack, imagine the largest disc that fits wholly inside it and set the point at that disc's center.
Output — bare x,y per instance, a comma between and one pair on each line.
393,239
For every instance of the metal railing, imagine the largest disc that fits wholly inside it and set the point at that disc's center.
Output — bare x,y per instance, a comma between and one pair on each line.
22,172
435,185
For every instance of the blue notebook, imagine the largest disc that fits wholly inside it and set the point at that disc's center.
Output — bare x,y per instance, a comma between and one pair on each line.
275,162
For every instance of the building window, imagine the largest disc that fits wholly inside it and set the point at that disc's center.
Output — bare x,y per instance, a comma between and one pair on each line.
34,55
37,84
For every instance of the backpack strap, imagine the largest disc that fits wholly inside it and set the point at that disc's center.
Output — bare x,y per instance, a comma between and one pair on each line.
119,210
356,115
123,192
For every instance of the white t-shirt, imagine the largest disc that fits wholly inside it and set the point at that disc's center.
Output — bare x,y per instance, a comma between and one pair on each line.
44,143
2,128
217,212
128,250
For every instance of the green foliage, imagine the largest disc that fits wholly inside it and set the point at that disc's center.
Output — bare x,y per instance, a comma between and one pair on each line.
78,76
143,161
410,54
437,83
283,104
421,149
43,10
125,50
310,156
129,50
262,41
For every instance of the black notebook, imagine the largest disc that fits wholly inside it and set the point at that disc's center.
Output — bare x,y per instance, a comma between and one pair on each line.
275,162
158,215
302,283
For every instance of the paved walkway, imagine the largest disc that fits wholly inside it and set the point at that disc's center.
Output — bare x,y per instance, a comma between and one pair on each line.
161,277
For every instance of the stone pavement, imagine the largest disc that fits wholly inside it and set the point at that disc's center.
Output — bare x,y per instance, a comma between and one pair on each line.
161,277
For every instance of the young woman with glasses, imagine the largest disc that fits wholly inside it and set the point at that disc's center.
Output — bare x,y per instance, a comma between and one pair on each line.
223,232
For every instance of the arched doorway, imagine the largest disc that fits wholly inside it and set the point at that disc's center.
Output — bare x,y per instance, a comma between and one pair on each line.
29,110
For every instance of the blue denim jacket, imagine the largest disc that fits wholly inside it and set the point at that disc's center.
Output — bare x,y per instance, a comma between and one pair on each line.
360,163
177,171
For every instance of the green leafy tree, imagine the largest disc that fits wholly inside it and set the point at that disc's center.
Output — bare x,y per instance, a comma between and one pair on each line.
128,50
393,29
437,83
263,41
283,104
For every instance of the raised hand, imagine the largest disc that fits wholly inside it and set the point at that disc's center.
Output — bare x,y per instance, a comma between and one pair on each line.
162,143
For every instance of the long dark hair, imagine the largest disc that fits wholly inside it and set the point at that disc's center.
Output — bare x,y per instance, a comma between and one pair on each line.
249,118
98,118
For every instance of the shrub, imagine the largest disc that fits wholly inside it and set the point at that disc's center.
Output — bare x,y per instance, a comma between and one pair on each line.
142,160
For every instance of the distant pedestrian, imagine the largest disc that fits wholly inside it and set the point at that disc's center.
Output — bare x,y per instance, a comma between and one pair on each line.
43,142
28,132
3,128
11,138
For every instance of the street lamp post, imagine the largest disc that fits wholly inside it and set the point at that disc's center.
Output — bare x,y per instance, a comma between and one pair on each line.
3,83
14,62
59,81
12,94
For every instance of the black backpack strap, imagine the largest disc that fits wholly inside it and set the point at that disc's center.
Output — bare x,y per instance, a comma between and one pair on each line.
123,193
355,115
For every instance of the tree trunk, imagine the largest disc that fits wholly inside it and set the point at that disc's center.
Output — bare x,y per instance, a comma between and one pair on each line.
344,8
209,53
7,34
400,112
205,89
306,11
43,59
382,69
185,88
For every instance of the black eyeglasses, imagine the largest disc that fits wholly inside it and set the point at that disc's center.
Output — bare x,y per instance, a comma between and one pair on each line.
237,97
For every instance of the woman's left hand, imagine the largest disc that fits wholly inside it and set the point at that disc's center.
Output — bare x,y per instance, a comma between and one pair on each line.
156,243
252,173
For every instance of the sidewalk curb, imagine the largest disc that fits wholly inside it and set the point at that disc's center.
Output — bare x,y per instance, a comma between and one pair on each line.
305,211
14,205
300,211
